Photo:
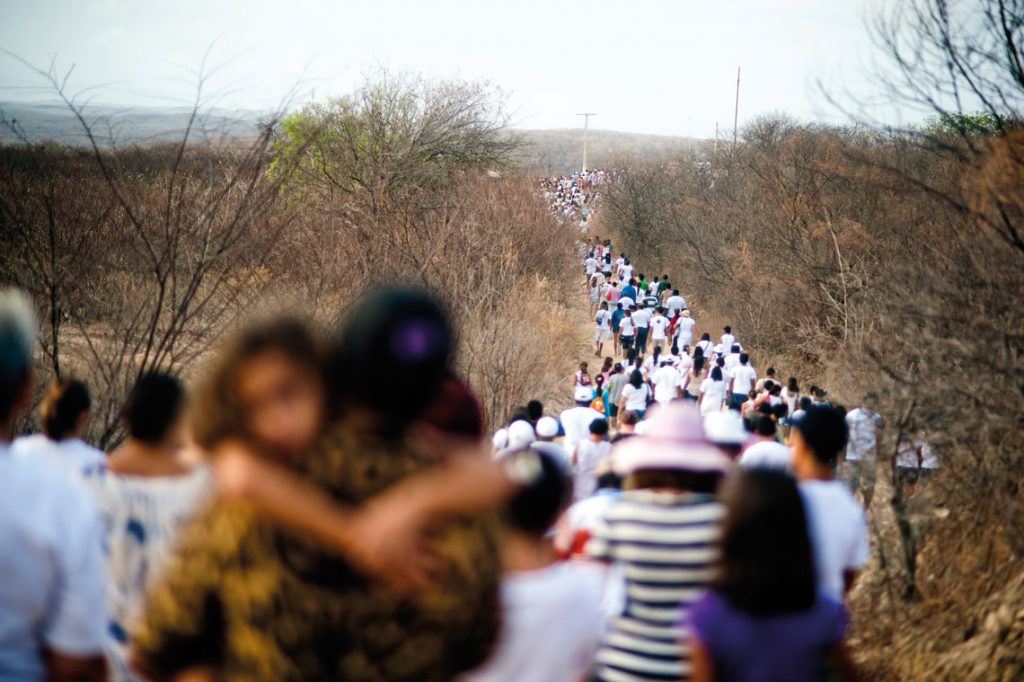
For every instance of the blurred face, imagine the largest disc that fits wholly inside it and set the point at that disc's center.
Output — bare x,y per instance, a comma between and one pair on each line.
282,403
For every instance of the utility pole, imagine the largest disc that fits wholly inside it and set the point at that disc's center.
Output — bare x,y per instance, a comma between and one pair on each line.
736,115
586,126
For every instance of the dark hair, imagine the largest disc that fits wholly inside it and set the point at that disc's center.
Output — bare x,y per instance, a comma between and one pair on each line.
534,410
694,481
654,358
599,427
390,357
727,329
716,374
766,426
698,363
636,379
153,406
765,564
608,362
805,403
770,371
735,348
776,389
617,368
769,385
825,432
537,505
744,358
609,479
65,401
793,385
705,337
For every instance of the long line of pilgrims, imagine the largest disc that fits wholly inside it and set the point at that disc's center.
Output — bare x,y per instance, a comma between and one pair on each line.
319,507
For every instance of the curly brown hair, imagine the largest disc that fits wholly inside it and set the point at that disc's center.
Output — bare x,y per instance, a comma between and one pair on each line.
218,415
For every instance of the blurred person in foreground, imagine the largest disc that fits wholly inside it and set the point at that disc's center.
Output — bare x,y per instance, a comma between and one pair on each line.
838,528
52,620
63,416
552,617
764,618
249,601
146,494
662,531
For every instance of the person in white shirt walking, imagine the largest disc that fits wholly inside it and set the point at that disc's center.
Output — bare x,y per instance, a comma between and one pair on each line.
588,456
767,452
742,378
551,610
837,523
666,380
603,330
728,338
576,420
659,326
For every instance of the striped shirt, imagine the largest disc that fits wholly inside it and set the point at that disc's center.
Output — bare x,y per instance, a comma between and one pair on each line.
666,543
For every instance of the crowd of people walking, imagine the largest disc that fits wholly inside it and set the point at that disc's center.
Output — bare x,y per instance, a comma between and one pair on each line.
316,506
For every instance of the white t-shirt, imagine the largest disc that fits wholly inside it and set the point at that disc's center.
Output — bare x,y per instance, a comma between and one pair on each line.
642,318
591,265
51,560
602,319
625,272
732,360
658,324
706,348
838,530
727,342
714,394
674,303
626,302
588,455
767,454
626,327
743,378
72,453
862,423
538,642
636,398
665,380
576,424
685,326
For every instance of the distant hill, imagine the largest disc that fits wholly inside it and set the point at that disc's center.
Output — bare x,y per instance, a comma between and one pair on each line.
549,151
120,125
561,151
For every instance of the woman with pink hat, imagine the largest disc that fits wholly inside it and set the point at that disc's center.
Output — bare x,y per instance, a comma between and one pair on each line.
662,531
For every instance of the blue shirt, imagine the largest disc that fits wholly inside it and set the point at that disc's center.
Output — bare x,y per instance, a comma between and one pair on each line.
629,292
617,316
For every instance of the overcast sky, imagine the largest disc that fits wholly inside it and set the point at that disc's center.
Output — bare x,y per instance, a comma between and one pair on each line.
654,66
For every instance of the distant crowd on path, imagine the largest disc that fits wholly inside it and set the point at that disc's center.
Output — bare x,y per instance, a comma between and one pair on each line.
320,504
575,198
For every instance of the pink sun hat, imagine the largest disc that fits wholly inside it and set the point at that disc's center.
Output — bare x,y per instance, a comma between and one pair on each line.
673,439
